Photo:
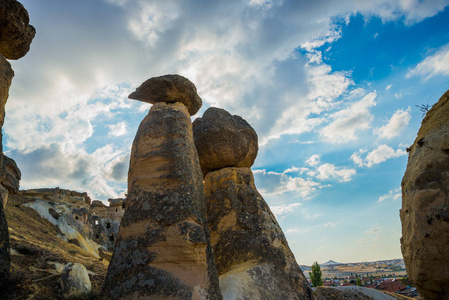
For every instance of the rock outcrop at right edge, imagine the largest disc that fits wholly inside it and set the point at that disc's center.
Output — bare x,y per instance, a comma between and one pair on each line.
252,255
425,205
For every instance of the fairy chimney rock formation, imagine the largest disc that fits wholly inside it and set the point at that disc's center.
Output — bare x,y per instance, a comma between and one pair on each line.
169,89
162,249
252,256
425,205
224,140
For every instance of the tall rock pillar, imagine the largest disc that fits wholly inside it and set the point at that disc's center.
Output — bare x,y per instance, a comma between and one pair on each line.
15,38
425,205
251,253
162,250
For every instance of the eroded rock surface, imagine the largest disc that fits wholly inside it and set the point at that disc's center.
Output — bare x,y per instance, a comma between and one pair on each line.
224,140
170,89
10,175
16,33
5,258
6,75
425,205
75,281
252,256
162,250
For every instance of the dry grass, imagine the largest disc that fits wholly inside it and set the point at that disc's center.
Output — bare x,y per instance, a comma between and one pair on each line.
36,248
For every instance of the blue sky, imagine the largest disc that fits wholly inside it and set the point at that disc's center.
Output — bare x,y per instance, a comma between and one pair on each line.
331,87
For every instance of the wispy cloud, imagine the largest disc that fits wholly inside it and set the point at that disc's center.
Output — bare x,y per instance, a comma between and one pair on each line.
435,64
281,210
347,122
396,124
391,195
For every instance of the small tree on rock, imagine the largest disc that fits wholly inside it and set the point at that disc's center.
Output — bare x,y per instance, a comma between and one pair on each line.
315,275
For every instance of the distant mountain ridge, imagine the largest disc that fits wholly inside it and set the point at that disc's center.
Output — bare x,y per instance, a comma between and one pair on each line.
330,263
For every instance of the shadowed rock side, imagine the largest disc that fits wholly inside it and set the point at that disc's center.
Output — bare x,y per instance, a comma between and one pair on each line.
15,32
6,75
162,250
224,140
251,253
425,205
5,258
170,89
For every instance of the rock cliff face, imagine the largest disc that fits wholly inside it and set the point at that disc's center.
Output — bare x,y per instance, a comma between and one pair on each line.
425,205
252,256
163,250
15,38
91,226
251,253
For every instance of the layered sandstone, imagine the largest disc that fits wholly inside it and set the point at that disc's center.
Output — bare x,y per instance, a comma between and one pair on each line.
425,205
252,256
224,140
162,249
16,33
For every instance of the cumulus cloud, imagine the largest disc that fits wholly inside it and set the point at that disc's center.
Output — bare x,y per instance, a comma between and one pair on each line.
347,122
435,64
271,183
391,195
326,171
282,210
379,155
397,123
242,56
118,129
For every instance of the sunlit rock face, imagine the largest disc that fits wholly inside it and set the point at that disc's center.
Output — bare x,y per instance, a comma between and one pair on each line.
224,140
252,256
425,205
163,249
170,89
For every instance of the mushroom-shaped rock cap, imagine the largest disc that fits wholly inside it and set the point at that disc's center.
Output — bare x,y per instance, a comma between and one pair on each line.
223,140
169,88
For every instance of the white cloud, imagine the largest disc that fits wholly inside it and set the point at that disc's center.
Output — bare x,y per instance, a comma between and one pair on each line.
328,171
297,230
435,64
281,210
388,87
398,95
348,121
396,125
313,160
242,56
272,183
118,129
392,195
380,154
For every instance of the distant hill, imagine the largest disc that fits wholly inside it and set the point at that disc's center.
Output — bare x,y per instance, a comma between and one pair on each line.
330,263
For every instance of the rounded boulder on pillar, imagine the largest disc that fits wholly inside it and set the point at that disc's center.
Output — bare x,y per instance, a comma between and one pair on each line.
224,140
169,89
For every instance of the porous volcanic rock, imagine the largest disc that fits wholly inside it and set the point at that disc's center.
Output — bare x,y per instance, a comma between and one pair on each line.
251,253
75,280
16,33
170,89
6,75
5,258
425,205
10,175
224,140
162,250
